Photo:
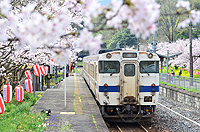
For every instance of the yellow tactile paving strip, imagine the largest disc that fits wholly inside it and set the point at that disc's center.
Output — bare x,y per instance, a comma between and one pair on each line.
78,107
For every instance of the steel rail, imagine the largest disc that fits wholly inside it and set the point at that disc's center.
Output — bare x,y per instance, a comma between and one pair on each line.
119,128
143,127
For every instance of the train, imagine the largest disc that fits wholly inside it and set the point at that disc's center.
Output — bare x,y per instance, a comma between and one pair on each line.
125,84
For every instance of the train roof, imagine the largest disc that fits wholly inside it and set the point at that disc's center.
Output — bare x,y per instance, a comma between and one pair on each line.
126,54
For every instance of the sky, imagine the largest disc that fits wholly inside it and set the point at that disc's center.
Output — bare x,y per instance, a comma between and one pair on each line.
104,2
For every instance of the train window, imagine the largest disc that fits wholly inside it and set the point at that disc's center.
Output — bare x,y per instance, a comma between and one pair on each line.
95,72
149,67
92,70
129,55
129,70
109,66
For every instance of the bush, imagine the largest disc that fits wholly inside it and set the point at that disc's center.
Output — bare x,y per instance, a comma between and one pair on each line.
59,73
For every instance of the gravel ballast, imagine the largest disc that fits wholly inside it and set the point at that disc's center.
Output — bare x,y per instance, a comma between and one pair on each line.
167,121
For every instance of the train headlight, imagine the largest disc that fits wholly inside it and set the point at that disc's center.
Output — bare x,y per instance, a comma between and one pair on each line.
105,102
147,98
108,55
150,55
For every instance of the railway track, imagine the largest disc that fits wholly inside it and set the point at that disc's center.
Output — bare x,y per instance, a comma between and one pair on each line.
186,118
124,127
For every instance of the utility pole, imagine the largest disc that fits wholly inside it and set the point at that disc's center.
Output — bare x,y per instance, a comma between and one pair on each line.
138,47
125,45
191,58
172,32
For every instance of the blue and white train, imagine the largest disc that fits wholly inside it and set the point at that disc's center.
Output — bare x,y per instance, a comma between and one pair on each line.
124,83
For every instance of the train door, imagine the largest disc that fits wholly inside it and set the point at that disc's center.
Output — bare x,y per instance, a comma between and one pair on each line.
129,82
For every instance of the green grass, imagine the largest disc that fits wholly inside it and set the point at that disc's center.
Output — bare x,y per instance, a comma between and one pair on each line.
59,79
94,121
19,116
52,82
67,127
188,89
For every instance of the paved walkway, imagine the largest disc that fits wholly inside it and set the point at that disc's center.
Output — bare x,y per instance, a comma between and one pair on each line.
81,113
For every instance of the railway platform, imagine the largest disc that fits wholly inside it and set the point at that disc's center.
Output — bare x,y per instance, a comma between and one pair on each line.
81,113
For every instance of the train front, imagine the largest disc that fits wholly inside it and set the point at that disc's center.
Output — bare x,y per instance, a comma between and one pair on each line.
138,84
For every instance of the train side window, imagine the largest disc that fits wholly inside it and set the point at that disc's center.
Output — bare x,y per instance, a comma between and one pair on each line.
101,69
129,70
92,70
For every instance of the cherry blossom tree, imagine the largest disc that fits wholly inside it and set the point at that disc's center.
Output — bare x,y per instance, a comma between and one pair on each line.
39,24
180,46
47,22
60,28
183,7
13,62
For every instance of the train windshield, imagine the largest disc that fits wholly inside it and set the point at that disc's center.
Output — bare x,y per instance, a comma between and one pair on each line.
149,67
129,70
109,66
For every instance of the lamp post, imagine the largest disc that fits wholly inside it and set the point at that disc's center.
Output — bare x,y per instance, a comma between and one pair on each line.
191,58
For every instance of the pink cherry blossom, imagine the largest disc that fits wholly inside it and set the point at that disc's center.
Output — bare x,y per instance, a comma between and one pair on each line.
184,23
61,56
5,7
183,4
56,25
141,16
195,16
95,9
88,42
180,46
3,24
